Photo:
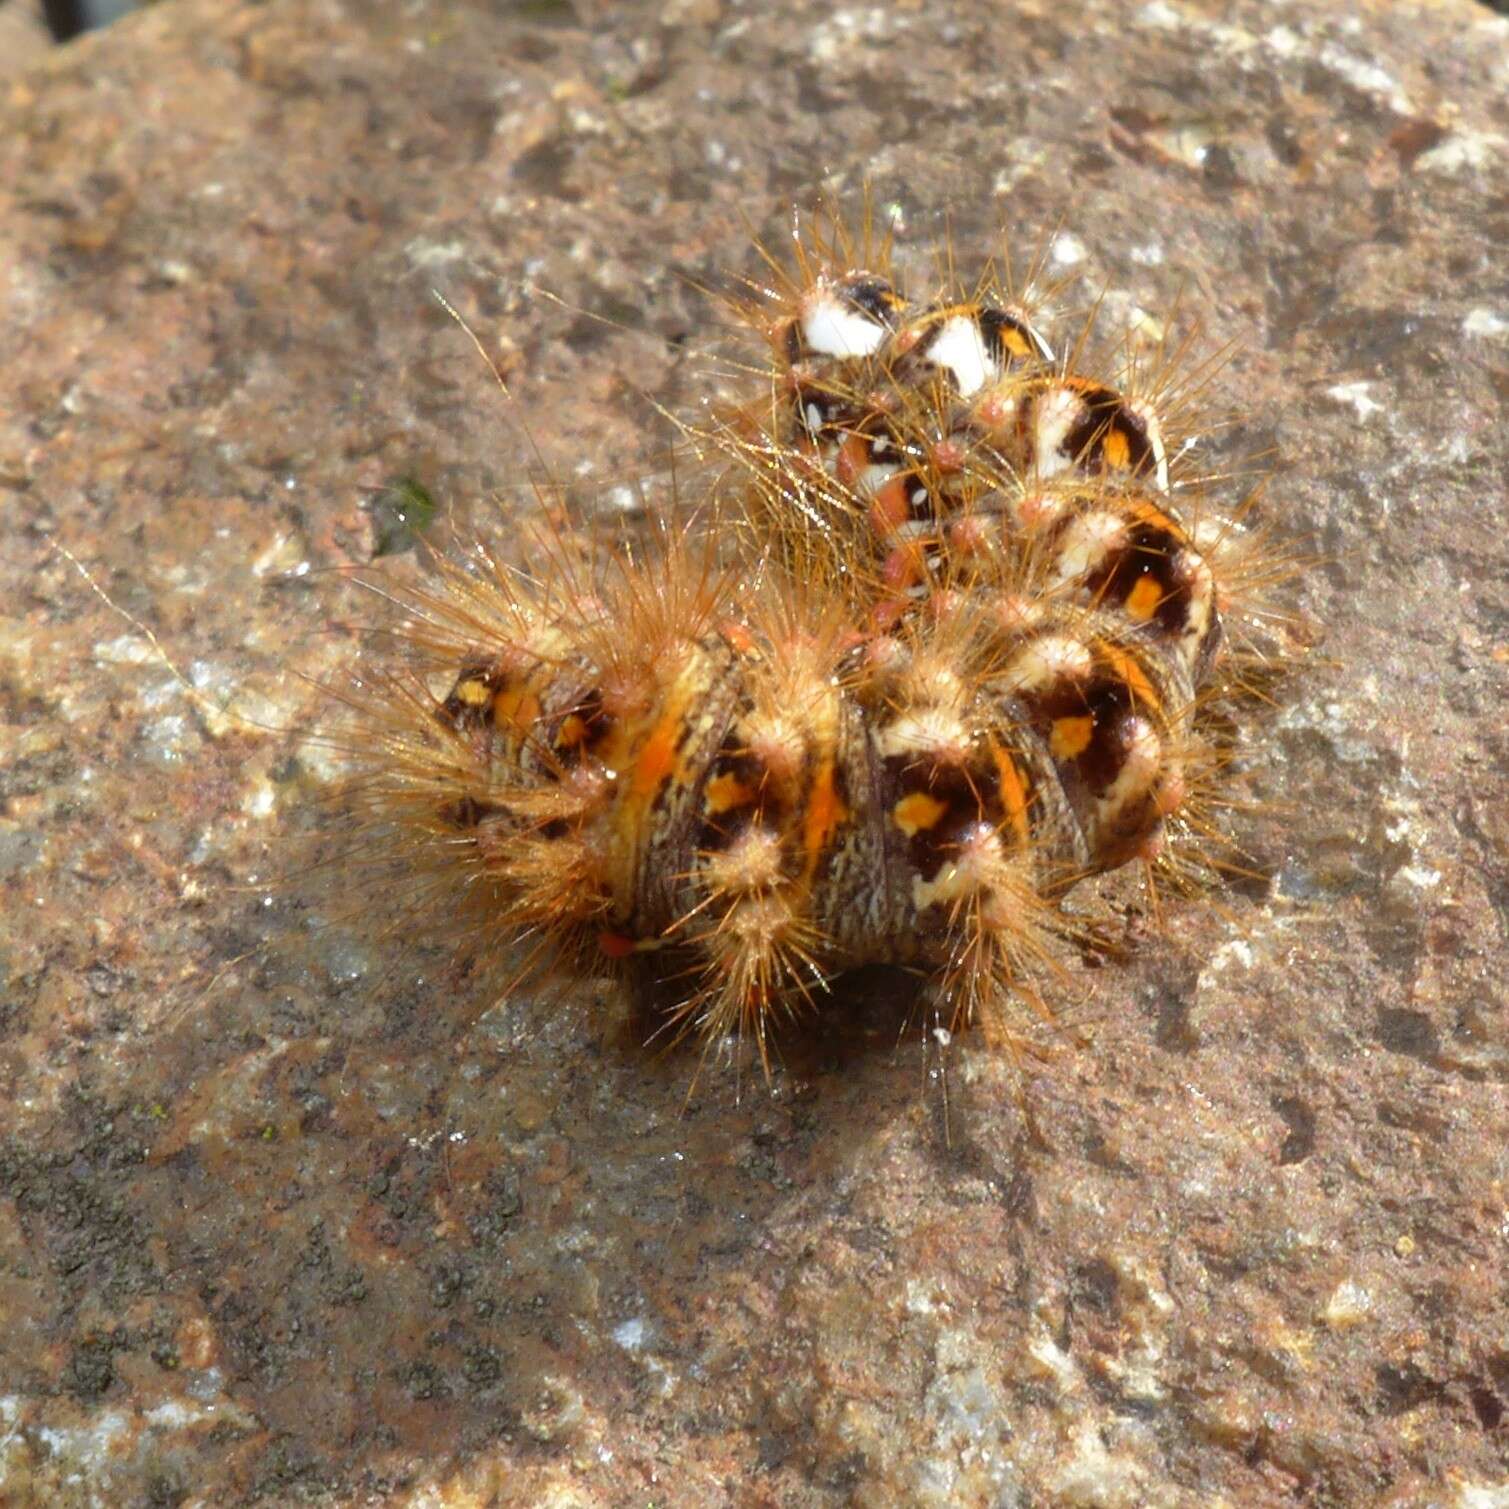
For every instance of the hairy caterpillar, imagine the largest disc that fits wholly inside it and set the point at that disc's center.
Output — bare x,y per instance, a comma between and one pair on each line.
955,663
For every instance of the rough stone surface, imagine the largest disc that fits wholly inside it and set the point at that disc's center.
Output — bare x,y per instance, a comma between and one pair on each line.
287,1215
23,35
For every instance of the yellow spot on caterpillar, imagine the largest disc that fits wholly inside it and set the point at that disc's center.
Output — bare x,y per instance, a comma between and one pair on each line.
1117,449
573,731
726,793
472,693
1015,342
1143,600
1071,736
917,812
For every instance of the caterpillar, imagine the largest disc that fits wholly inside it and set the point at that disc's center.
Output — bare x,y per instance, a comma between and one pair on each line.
955,660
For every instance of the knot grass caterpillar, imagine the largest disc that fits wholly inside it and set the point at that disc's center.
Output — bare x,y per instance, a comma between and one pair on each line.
955,639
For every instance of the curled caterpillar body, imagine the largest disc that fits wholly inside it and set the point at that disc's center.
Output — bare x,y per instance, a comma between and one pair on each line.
959,665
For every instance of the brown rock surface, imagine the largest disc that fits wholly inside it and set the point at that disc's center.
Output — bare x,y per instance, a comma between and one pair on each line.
24,36
282,1220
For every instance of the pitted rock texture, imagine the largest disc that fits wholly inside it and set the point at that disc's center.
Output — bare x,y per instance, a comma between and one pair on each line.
289,1214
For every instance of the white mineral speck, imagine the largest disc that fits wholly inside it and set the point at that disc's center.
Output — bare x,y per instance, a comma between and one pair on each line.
1355,395
1348,1305
1484,324
631,1334
1068,250
1463,152
127,649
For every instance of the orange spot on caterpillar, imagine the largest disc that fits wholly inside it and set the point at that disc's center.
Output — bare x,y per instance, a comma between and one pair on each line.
1070,737
890,510
726,793
917,813
572,732
1117,449
853,459
1143,600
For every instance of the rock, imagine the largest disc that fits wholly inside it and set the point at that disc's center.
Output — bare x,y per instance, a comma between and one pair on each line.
293,1216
